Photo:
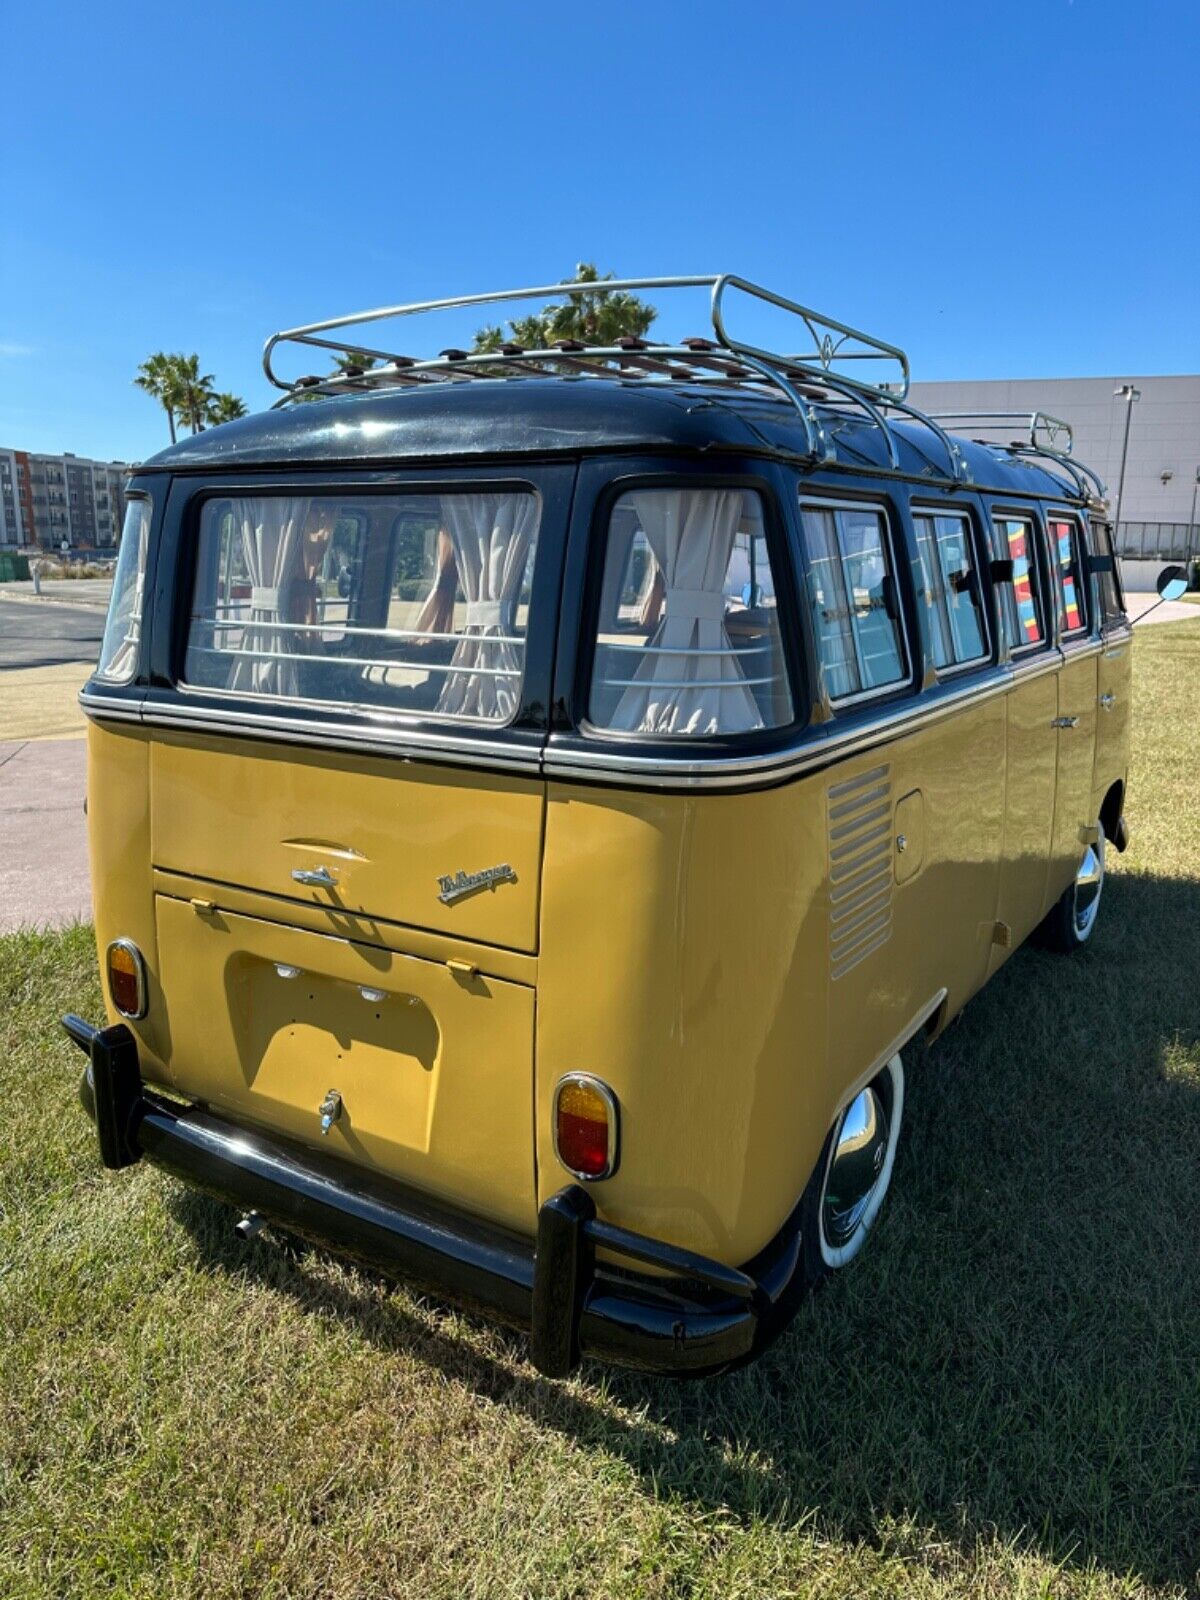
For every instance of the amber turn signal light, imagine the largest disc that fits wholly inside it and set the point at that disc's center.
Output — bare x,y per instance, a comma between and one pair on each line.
127,978
585,1126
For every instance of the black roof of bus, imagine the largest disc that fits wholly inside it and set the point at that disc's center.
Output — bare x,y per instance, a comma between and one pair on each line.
538,416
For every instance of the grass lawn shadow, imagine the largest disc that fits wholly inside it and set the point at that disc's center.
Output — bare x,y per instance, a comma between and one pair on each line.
1017,1355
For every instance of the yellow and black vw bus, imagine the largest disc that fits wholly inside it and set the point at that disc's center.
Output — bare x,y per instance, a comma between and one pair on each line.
536,795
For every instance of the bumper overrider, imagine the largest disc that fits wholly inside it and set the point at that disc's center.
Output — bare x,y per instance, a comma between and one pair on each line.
693,1316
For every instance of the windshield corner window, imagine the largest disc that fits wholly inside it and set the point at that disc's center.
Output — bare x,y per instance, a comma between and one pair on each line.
854,600
1022,604
123,627
688,639
953,597
414,603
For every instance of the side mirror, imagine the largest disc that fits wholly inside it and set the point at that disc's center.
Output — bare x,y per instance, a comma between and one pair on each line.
1172,583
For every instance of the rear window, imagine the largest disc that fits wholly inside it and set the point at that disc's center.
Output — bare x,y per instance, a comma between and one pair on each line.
408,603
688,639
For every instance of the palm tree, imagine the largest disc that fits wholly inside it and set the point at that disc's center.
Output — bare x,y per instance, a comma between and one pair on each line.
224,408
194,392
599,316
157,377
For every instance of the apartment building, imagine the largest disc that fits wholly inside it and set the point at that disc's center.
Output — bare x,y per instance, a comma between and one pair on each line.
56,502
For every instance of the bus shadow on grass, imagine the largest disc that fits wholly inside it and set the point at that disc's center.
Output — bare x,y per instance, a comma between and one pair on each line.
1017,1354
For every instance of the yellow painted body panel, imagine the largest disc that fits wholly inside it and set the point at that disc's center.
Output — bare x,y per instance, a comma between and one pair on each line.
687,958
1030,776
733,965
434,1067
249,815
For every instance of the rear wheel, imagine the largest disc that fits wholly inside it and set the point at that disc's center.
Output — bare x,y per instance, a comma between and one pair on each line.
1072,920
848,1188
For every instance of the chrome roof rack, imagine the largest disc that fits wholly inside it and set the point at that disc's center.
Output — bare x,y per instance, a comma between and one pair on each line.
825,373
1045,436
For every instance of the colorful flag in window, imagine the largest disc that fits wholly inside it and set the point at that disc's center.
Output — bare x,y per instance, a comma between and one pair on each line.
1072,617
1018,549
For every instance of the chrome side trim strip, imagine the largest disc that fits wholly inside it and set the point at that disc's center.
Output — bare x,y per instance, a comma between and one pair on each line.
406,743
601,762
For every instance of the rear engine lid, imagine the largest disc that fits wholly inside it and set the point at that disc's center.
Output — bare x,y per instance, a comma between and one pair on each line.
453,850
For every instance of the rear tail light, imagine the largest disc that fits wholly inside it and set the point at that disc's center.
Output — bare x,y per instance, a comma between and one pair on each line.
127,978
585,1126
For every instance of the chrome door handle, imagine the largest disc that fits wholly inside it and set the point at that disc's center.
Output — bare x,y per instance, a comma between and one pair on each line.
317,877
1065,722
1108,701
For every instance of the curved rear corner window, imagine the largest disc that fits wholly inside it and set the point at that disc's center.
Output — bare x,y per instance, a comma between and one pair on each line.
953,598
123,629
1022,602
688,636
855,605
403,603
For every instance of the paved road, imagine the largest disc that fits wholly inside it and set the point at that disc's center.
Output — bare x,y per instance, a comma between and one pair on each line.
44,878
46,634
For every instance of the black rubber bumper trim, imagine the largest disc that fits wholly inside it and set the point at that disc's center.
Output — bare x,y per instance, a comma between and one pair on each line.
700,1318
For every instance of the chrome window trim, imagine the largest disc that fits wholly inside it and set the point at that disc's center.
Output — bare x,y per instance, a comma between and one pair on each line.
604,763
954,509
408,744
897,685
1081,550
591,1081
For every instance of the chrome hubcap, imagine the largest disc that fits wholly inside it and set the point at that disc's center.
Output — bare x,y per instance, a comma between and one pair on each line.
1089,881
855,1167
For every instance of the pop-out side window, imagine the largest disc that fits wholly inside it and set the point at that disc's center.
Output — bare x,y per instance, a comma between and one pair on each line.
1022,606
410,603
688,639
1066,546
123,629
1112,601
853,597
953,595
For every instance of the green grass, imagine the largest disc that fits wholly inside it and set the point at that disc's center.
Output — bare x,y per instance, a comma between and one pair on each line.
1001,1399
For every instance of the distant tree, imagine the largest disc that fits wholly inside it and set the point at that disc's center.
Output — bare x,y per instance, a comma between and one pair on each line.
158,378
597,316
194,391
351,362
224,408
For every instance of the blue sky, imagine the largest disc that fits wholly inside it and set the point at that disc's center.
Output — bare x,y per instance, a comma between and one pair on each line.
1004,190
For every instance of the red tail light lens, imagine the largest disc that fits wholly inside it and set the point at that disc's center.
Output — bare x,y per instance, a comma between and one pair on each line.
585,1126
127,978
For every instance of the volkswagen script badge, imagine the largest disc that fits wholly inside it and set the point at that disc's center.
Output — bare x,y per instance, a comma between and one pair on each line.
457,884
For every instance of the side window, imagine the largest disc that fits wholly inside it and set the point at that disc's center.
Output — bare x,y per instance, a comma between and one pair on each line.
688,639
1066,548
1112,600
1021,605
852,594
953,596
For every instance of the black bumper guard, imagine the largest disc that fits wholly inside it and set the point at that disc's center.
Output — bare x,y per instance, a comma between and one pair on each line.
691,1316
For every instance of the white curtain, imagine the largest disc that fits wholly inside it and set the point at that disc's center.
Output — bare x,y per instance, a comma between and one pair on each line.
272,533
124,658
691,532
492,535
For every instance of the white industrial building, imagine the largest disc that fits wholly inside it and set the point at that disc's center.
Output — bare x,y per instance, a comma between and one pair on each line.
1159,513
